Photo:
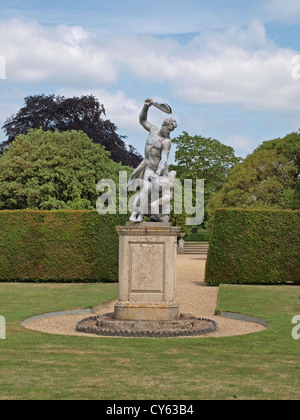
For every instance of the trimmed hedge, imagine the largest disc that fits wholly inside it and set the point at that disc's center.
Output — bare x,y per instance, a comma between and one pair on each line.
254,247
60,246
198,237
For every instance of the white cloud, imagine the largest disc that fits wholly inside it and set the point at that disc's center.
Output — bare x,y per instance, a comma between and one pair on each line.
58,54
120,109
241,144
254,79
252,35
240,66
286,11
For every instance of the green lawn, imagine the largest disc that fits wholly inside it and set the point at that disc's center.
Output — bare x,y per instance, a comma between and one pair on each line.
34,365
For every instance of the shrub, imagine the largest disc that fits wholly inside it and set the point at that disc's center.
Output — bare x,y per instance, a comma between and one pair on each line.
254,247
46,170
62,246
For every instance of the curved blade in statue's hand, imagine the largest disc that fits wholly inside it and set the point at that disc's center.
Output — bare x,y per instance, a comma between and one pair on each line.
163,107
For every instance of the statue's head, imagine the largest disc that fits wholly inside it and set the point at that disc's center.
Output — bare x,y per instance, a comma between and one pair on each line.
168,126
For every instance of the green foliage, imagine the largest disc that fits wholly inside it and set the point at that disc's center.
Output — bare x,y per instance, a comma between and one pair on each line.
288,146
202,236
198,157
60,246
180,220
52,170
203,158
267,178
254,247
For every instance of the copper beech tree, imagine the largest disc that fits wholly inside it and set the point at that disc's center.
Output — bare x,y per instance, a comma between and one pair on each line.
83,113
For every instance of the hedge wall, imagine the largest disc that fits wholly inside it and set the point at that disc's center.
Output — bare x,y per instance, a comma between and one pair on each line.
254,247
198,237
61,246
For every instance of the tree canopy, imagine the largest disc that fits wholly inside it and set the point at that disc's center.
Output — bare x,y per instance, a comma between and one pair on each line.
52,170
198,157
64,114
267,178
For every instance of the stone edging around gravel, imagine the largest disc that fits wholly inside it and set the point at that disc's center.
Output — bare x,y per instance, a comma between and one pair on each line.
242,317
223,314
55,314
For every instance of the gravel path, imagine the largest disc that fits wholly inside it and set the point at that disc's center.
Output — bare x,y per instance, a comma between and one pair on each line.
192,295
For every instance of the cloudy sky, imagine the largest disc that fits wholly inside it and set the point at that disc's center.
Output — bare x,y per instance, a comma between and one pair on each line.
230,69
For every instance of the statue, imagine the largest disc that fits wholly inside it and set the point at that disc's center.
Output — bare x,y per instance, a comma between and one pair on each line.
152,175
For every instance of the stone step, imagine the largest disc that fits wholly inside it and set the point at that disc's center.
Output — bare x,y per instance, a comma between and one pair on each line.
194,253
196,247
199,248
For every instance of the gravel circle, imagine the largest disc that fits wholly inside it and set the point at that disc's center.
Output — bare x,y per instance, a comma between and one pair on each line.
193,297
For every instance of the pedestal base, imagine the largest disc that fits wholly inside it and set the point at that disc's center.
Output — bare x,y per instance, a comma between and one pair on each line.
146,311
147,272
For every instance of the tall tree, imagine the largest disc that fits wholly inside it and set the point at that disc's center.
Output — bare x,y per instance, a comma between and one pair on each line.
268,178
63,114
198,157
205,158
52,170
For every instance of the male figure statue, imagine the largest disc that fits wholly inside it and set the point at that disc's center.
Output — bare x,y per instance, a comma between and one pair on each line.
154,165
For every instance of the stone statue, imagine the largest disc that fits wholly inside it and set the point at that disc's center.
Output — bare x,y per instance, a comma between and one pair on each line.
152,175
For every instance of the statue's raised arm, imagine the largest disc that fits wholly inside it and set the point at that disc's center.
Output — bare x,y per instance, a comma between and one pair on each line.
144,115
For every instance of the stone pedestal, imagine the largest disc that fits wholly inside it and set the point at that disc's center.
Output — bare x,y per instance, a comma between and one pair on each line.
147,272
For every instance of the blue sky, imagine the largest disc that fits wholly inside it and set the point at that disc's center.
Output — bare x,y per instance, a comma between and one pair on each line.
228,68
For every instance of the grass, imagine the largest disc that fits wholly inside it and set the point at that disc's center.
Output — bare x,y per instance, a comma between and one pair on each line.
35,365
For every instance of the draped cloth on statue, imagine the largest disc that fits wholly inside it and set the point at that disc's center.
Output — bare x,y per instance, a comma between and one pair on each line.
138,173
